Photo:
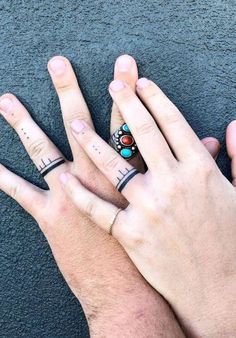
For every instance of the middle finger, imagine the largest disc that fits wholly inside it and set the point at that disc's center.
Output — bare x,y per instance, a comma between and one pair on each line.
143,127
71,99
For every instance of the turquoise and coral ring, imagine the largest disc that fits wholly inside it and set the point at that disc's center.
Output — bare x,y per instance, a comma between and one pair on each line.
123,142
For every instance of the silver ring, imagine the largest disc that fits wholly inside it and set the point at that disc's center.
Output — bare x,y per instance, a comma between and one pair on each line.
113,221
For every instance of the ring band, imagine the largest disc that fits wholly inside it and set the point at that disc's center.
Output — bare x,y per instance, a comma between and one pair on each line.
48,165
123,142
126,177
113,221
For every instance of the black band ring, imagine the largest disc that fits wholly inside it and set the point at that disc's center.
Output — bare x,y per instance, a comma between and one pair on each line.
126,177
47,166
123,142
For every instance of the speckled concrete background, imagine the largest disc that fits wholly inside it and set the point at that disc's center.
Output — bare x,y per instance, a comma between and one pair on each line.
188,47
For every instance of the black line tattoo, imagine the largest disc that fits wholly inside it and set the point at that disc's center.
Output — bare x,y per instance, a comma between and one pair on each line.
125,178
48,165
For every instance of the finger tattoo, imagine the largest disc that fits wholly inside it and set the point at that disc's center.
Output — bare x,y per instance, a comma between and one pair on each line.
125,177
25,133
48,165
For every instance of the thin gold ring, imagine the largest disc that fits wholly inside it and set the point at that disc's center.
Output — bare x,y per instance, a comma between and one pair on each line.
113,221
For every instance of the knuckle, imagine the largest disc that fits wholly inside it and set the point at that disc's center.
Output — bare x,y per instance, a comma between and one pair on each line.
131,236
209,170
111,163
37,147
76,115
135,239
64,86
203,166
90,208
14,191
127,96
152,92
72,191
172,116
146,129
17,122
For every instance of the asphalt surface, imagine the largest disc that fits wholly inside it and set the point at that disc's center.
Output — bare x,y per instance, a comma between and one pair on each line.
187,47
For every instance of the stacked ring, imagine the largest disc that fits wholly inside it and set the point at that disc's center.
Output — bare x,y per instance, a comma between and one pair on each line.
123,142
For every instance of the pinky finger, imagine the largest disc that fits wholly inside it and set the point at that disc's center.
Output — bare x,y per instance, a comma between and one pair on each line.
99,211
212,145
231,148
30,197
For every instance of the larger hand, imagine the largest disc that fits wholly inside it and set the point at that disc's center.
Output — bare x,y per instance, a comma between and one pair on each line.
116,299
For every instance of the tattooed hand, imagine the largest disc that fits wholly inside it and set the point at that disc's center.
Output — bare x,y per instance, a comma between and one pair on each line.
180,226
95,267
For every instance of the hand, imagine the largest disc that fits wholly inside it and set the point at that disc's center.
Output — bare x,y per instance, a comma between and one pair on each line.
179,228
97,270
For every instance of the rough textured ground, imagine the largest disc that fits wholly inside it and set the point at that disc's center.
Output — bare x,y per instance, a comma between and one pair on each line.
188,47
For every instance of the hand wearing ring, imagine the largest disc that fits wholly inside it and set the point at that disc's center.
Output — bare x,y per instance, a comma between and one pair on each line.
63,225
71,236
179,228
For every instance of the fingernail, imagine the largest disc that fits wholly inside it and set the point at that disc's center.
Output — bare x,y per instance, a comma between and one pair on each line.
77,126
64,178
116,85
5,104
124,63
142,83
57,66
213,149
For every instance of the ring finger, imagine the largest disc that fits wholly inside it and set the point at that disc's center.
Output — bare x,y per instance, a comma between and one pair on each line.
117,170
47,158
126,70
143,127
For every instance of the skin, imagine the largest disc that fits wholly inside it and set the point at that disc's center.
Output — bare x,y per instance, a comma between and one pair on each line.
179,227
117,301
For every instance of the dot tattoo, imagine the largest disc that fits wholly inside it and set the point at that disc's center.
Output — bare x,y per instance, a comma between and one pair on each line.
48,165
125,177
96,149
25,133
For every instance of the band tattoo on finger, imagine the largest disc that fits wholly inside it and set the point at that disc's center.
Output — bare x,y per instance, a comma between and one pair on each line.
125,177
48,165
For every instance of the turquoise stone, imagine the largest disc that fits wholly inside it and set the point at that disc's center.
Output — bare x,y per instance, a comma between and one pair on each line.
126,128
126,153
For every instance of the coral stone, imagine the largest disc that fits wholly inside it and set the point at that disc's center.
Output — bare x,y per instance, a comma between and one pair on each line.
127,140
